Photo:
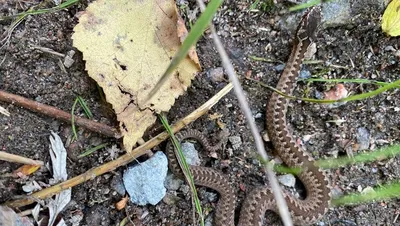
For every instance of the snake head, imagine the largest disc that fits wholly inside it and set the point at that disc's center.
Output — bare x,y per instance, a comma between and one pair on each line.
308,25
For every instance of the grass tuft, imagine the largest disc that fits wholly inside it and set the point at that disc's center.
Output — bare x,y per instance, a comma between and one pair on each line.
85,108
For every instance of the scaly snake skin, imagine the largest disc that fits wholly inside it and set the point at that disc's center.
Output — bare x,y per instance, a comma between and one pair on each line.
259,200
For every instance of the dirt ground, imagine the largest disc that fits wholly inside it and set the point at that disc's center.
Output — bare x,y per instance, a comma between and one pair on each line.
356,50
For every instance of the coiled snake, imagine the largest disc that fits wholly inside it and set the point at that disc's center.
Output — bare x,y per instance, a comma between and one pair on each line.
261,199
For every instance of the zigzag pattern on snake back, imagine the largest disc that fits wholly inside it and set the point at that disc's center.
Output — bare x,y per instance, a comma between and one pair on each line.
261,199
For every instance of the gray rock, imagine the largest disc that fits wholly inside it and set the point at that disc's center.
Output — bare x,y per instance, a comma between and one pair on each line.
216,74
209,196
185,189
170,199
288,180
172,183
145,181
68,60
367,6
190,153
209,220
236,142
336,13
258,115
336,192
363,138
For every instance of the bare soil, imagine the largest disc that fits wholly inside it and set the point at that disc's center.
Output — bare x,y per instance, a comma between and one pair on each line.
359,50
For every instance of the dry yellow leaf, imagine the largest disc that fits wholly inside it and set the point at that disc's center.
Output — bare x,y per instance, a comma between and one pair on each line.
127,46
26,170
391,19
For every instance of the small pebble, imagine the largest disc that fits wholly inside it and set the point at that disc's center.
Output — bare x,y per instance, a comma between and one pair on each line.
236,142
209,196
68,60
305,74
280,67
170,199
390,48
258,115
118,185
209,220
336,192
185,189
368,190
318,95
265,137
216,74
172,183
288,180
363,138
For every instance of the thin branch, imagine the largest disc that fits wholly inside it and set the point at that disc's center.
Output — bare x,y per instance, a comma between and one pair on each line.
19,159
58,114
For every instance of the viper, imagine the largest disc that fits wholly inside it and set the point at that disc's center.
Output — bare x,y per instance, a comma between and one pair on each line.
259,200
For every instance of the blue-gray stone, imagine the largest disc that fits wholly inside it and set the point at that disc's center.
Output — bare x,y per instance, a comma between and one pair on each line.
145,181
279,67
305,74
336,13
190,153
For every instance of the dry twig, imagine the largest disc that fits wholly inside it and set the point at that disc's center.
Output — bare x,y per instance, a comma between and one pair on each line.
19,159
58,114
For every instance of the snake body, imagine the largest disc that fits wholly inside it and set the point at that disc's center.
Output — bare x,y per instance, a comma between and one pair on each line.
261,199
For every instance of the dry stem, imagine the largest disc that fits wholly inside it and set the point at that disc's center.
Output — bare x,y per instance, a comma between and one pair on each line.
58,114
19,159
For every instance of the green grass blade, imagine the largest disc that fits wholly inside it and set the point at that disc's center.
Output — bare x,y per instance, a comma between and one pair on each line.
334,163
42,11
305,5
381,193
383,153
73,120
349,80
254,5
85,108
362,96
185,168
193,36
91,150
